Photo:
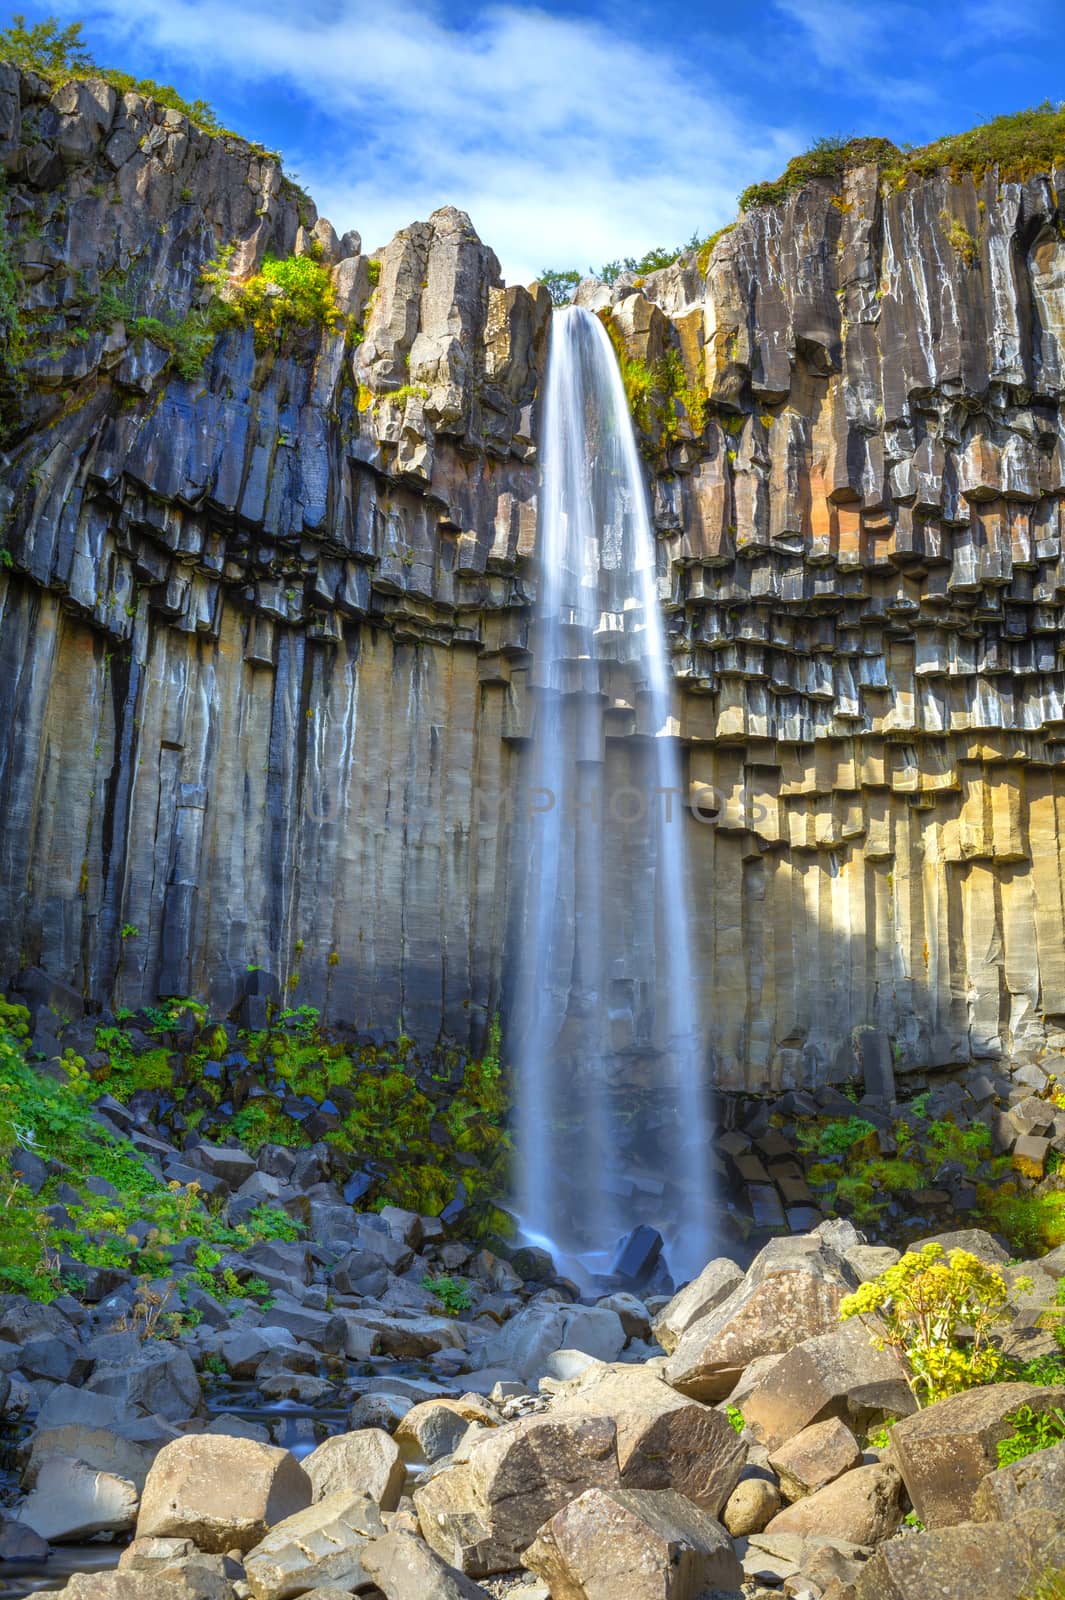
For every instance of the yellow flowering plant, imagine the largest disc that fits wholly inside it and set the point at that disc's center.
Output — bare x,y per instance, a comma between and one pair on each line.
938,1312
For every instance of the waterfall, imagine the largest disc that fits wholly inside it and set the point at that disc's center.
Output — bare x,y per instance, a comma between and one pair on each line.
611,1117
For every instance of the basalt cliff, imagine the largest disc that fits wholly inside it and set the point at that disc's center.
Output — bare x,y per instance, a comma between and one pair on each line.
265,667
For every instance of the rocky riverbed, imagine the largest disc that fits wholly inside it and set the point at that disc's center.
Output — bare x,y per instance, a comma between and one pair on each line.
349,1439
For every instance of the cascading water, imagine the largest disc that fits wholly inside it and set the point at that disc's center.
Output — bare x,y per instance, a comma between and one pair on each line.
612,1125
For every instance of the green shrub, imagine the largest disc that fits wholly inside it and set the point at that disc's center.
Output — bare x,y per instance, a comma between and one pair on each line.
59,54
735,1418
938,1313
286,294
453,1293
1032,1431
835,1138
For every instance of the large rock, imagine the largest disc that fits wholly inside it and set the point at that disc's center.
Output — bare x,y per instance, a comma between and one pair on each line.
632,1543
946,1451
840,1374
815,1457
969,1561
366,1462
697,1299
434,1427
126,1449
190,1583
73,1501
1035,1483
863,1507
221,1492
319,1546
524,1343
792,1292
481,1515
664,1440
404,1568
160,1381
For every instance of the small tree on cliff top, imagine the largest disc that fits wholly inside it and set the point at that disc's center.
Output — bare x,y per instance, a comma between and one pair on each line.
45,48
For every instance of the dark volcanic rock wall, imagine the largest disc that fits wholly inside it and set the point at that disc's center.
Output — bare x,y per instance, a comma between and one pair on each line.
263,632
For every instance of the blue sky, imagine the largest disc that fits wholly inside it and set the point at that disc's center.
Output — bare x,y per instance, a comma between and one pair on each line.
576,131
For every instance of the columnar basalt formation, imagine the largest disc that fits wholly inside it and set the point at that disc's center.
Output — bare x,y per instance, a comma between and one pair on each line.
264,656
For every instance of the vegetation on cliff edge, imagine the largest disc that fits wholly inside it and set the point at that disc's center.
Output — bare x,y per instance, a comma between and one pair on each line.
60,54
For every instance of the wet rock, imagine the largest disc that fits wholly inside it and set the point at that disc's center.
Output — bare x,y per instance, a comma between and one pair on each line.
645,1545
221,1492
382,1410
321,1545
945,1451
366,1462
864,1507
19,1543
404,1568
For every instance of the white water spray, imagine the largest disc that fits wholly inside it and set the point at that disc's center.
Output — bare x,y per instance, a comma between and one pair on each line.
612,1126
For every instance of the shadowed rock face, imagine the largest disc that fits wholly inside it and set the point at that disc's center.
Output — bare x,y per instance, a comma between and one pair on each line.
263,632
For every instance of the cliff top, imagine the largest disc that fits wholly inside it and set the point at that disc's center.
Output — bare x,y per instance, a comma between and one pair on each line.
1019,144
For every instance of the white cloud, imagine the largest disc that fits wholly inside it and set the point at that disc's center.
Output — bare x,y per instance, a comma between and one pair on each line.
566,141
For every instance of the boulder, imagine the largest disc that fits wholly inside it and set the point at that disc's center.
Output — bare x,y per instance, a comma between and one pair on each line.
632,1313
523,1344
321,1545
73,1501
366,1462
863,1507
1036,1482
434,1427
792,1292
19,1542
977,1241
243,1349
969,1561
127,1450
697,1299
404,1568
233,1165
223,1493
481,1515
636,1543
664,1439
384,1410
945,1451
753,1503
160,1381
815,1457
839,1374
190,1583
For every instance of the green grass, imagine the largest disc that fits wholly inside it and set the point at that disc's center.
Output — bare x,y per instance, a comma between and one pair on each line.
1018,144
